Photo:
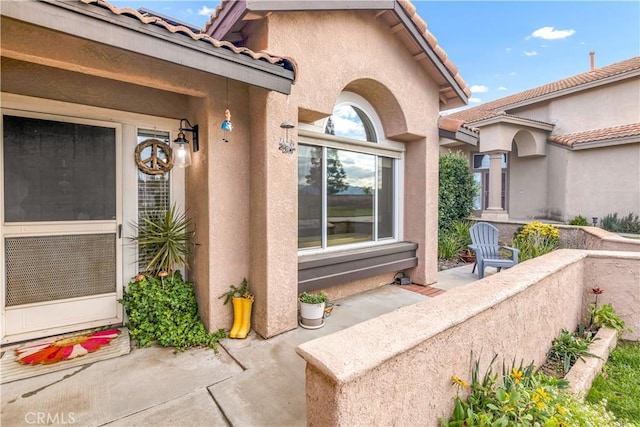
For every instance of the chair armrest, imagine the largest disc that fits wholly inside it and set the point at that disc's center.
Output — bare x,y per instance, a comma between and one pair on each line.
514,252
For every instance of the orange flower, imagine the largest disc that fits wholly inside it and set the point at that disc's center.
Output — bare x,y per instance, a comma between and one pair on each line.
163,274
64,348
140,278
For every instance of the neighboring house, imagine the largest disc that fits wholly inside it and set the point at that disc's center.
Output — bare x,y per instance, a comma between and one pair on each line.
567,148
86,85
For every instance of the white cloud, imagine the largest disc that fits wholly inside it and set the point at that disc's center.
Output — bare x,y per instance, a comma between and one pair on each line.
479,89
550,33
475,100
206,11
530,53
502,88
513,73
508,50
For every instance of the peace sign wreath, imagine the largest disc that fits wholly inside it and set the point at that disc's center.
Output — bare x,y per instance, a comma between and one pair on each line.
154,164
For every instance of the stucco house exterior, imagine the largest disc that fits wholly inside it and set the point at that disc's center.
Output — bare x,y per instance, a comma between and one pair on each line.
568,148
86,85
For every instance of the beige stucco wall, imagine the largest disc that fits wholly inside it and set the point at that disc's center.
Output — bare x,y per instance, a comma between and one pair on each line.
353,379
328,62
602,181
528,183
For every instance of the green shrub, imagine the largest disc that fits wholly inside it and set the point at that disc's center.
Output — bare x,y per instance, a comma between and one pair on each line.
454,239
606,316
567,348
535,239
164,309
628,224
456,190
578,220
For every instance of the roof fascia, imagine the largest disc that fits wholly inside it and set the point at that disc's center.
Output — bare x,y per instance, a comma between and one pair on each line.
574,89
462,135
519,121
433,57
126,33
230,13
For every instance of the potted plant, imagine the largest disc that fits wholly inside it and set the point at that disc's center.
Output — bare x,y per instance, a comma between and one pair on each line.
242,301
312,309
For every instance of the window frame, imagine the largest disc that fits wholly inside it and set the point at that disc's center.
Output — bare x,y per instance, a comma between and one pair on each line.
313,135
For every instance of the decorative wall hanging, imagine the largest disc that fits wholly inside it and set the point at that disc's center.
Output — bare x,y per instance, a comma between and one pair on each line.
227,127
287,144
64,348
154,163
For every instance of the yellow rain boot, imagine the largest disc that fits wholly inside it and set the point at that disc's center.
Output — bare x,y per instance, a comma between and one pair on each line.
245,327
237,316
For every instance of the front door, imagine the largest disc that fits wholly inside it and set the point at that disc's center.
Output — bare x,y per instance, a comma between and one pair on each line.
61,222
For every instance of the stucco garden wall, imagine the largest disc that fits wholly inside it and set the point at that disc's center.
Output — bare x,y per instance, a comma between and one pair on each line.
396,369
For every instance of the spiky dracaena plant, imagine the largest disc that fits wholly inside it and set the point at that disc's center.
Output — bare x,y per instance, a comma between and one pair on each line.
164,240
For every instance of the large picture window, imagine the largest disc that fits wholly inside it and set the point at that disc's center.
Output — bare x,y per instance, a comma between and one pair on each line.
347,191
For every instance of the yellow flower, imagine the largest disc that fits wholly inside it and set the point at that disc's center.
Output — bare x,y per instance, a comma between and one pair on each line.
560,409
541,405
517,375
459,382
543,394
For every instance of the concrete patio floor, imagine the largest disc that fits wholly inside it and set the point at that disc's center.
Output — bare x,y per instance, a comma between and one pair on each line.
250,382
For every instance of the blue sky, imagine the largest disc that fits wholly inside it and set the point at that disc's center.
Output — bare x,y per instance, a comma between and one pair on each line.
501,47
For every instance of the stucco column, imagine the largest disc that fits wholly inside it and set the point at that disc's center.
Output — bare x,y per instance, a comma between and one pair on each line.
494,210
273,243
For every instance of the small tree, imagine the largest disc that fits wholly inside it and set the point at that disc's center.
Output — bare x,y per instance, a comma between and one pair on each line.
457,189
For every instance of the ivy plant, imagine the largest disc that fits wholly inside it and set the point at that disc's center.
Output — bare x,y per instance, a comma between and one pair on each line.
163,309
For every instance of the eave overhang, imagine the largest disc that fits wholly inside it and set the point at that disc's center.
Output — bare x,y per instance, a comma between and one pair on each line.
513,120
229,19
123,32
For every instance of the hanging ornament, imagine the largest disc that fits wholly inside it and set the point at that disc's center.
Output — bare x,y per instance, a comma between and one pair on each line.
287,145
227,127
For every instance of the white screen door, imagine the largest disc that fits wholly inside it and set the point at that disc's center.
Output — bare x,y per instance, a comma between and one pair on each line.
61,215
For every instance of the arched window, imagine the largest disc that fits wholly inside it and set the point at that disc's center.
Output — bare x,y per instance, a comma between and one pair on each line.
349,121
348,188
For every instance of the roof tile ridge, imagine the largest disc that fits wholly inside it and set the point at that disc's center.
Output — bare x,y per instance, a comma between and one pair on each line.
124,11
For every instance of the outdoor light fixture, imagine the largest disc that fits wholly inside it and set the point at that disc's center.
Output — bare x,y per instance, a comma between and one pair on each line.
287,145
182,155
594,221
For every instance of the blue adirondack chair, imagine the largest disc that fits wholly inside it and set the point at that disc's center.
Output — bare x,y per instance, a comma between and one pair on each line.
484,242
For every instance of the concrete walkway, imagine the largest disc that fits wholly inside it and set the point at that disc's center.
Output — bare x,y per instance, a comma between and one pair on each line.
251,382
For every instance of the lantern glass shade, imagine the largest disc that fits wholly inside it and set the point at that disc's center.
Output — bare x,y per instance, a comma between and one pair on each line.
181,153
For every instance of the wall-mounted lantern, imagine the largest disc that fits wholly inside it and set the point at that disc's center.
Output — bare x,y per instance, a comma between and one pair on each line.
182,154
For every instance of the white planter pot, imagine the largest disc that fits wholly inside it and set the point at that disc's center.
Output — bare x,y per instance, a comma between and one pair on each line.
311,315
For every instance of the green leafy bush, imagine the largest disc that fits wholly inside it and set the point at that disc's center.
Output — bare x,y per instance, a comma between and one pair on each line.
606,316
164,309
456,190
523,397
578,220
535,239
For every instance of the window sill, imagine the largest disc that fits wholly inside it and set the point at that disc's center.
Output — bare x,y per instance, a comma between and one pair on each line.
323,270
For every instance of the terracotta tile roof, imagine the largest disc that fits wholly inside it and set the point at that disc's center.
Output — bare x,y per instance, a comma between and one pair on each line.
597,135
498,106
181,29
452,125
409,9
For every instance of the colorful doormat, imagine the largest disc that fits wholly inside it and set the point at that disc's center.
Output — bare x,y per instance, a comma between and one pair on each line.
58,353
